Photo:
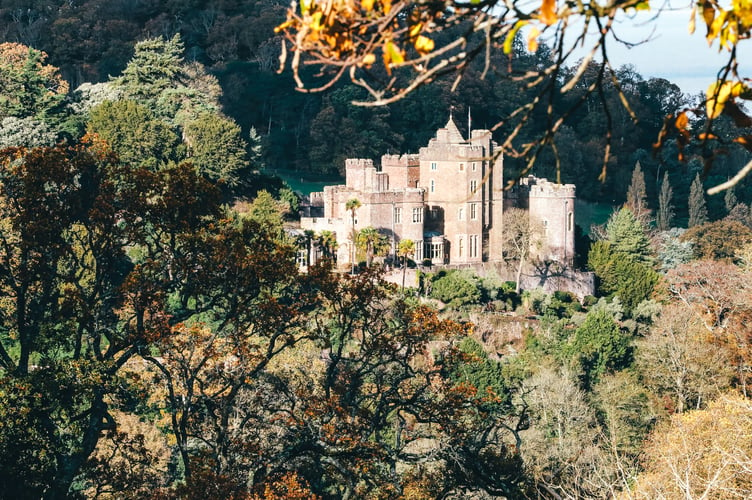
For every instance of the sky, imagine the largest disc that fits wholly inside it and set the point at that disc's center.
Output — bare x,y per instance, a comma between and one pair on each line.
671,52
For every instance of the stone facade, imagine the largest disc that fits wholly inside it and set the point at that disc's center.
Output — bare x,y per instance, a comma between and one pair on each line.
449,199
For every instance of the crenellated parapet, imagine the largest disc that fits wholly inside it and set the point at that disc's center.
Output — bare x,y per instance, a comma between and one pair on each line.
544,188
406,160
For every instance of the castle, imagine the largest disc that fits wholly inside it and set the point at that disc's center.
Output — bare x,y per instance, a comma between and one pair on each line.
449,199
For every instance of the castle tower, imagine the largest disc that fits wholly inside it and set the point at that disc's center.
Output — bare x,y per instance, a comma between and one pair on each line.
553,205
462,179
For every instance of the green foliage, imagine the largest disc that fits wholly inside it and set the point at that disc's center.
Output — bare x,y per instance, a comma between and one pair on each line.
665,217
138,137
267,212
216,148
155,67
698,211
372,243
456,288
482,373
29,88
599,347
625,275
627,235
635,284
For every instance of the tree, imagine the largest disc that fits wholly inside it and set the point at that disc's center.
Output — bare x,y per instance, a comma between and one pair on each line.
665,217
599,347
216,148
699,454
729,199
30,88
627,235
678,364
522,237
717,240
673,250
456,288
137,136
405,249
372,243
698,211
637,196
327,240
154,68
717,293
352,205
25,132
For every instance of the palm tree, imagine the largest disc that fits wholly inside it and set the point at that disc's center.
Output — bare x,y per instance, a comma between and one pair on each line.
352,205
372,242
327,240
308,235
405,249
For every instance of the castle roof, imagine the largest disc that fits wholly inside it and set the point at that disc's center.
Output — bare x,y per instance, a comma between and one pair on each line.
454,136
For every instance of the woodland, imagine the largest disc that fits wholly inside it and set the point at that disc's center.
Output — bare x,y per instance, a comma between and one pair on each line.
158,339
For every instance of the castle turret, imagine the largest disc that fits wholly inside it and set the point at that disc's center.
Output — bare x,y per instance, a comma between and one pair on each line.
553,205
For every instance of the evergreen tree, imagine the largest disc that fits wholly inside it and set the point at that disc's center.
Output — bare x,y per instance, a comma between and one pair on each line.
637,196
627,235
155,67
665,206
729,199
698,210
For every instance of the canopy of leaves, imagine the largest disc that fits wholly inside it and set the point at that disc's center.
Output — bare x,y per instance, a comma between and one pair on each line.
455,288
717,240
599,347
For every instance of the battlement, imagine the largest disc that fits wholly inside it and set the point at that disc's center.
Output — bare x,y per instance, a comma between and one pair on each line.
406,160
546,189
358,163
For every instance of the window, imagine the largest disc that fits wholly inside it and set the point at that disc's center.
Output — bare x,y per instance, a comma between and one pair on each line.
397,215
473,186
460,246
435,250
433,185
417,215
473,211
570,221
462,167
474,166
461,214
434,166
473,240
434,213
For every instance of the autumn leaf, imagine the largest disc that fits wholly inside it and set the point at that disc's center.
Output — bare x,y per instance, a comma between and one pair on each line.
423,44
532,39
548,12
745,141
392,55
509,40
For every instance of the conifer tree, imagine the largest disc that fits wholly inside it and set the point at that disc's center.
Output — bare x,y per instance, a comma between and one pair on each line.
155,67
729,199
637,196
627,235
698,211
665,205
